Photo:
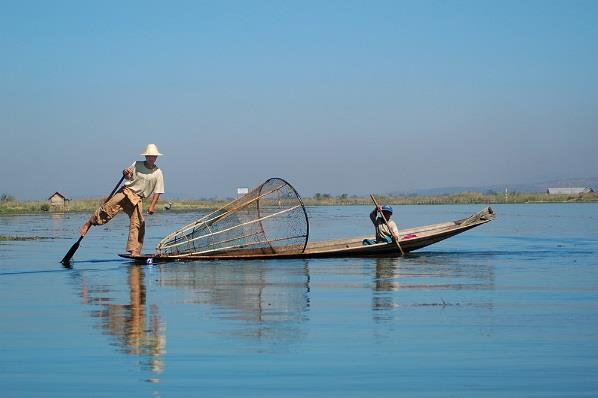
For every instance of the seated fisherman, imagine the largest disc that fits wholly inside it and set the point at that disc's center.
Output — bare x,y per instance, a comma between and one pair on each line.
383,234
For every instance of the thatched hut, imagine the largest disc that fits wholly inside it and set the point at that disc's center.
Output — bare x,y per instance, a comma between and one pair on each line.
58,202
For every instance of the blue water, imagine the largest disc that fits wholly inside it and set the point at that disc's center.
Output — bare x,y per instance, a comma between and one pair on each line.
509,309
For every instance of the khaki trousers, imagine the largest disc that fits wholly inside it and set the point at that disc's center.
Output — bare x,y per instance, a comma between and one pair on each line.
127,201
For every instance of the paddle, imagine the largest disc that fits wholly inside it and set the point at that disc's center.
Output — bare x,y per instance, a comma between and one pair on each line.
386,222
67,258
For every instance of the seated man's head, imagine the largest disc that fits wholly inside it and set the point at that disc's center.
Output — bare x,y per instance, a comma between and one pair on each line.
387,210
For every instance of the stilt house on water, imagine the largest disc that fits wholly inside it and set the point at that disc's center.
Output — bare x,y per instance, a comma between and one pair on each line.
58,202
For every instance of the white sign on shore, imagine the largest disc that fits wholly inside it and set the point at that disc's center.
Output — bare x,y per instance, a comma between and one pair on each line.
242,191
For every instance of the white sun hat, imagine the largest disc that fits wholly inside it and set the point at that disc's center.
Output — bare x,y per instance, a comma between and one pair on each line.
151,150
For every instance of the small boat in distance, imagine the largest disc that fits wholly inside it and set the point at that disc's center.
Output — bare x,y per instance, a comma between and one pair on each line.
411,239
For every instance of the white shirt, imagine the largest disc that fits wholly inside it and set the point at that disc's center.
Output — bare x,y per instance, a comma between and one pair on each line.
382,230
145,182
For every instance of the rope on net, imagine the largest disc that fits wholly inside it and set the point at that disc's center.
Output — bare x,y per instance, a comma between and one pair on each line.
270,219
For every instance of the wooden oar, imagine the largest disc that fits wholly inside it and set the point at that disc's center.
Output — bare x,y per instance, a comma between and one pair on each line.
386,222
67,258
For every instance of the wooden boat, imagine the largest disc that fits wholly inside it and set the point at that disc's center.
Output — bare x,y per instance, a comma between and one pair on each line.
411,239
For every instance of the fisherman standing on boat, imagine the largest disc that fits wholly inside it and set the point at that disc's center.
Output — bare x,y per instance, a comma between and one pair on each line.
384,234
144,181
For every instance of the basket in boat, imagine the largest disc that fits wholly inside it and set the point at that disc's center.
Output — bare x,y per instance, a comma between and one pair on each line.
269,219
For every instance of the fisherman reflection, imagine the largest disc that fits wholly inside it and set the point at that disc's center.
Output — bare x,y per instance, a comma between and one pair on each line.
438,274
136,327
385,283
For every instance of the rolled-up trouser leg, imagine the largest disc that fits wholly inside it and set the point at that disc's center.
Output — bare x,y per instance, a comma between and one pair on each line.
136,226
109,209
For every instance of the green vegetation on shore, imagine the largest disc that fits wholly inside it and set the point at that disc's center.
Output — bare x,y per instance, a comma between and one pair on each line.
9,205
4,238
458,198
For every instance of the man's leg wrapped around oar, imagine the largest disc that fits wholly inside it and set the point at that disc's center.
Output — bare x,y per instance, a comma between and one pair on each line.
131,203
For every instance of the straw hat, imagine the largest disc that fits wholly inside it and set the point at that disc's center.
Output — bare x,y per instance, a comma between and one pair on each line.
151,150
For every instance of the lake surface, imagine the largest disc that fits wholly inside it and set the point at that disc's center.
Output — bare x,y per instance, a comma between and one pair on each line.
509,309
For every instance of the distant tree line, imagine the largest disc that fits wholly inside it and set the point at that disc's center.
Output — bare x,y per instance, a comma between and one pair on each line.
10,205
7,198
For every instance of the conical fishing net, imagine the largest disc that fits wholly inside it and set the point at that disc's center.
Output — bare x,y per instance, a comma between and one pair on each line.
269,219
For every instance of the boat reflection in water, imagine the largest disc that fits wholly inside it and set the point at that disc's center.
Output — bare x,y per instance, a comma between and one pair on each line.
433,280
270,298
268,302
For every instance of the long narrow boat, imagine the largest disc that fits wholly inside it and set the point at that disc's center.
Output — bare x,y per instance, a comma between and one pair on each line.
411,239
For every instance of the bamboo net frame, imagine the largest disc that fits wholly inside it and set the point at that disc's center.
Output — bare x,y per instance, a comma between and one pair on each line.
269,219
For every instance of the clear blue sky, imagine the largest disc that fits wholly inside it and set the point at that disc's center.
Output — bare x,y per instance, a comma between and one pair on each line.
335,96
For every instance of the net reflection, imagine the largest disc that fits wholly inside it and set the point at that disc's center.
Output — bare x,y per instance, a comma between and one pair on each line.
271,298
135,326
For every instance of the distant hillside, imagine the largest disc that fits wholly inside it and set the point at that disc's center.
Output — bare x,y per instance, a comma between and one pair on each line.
535,187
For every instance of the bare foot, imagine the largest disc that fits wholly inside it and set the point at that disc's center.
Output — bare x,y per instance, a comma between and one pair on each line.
84,228
135,253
